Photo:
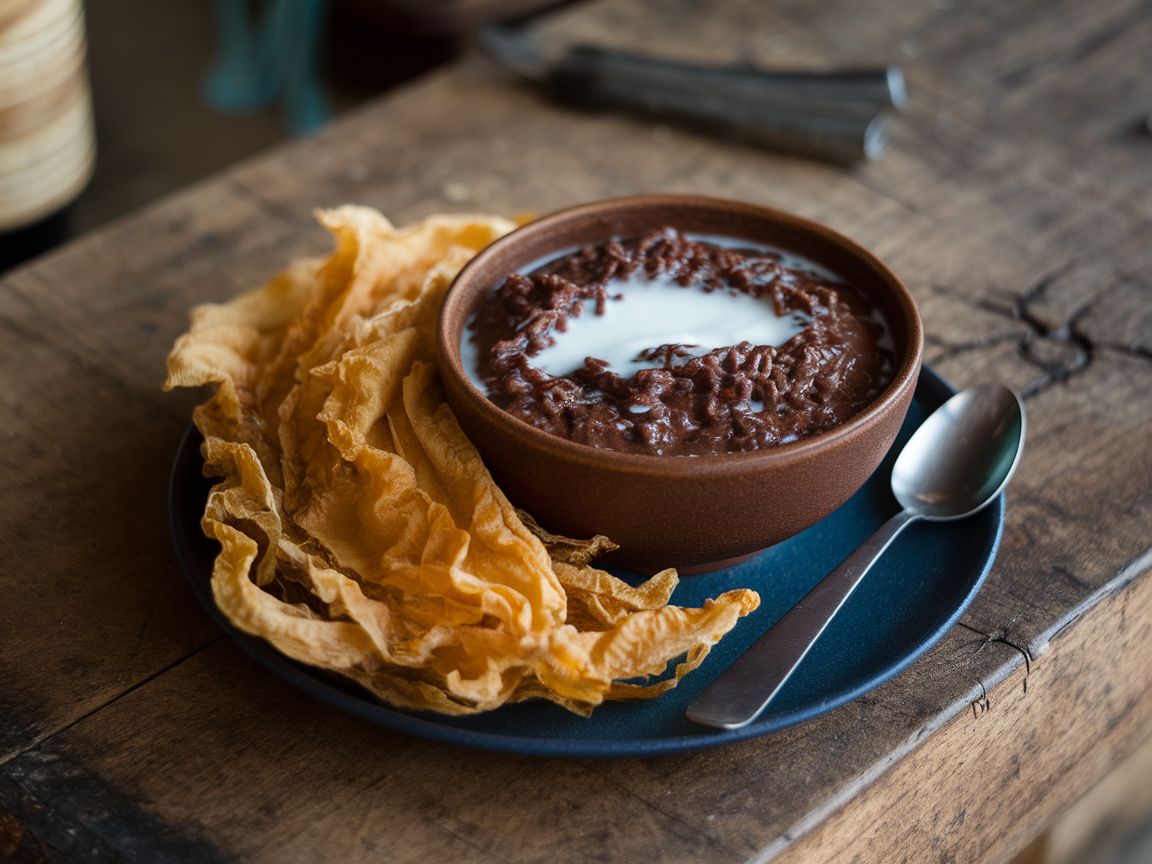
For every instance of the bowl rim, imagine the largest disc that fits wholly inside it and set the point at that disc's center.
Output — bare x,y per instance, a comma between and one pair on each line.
448,349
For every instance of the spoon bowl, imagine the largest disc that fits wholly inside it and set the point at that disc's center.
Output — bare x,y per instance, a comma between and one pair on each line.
962,455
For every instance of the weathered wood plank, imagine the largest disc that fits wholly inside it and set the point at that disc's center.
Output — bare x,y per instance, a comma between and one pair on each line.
93,601
1013,204
120,296
215,750
1104,823
990,781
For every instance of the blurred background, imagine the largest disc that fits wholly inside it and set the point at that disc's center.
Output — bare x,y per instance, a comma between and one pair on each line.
183,88
171,92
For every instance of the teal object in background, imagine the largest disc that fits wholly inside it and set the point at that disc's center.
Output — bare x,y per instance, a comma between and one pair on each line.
269,52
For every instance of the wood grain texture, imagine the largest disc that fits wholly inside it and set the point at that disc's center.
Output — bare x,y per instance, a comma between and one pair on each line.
993,778
1108,820
1013,202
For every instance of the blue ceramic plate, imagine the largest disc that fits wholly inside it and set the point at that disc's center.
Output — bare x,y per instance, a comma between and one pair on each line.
912,597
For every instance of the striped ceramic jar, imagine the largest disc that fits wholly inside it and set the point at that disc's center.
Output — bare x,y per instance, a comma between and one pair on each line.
47,139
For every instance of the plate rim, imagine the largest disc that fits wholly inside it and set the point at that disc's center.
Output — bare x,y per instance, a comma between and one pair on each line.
314,681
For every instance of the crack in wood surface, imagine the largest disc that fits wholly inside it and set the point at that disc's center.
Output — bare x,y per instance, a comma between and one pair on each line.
47,736
1000,636
1068,336
984,703
952,351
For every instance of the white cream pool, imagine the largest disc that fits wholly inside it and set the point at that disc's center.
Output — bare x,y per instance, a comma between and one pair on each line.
655,312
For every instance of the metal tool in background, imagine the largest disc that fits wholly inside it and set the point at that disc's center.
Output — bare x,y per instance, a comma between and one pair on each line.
839,116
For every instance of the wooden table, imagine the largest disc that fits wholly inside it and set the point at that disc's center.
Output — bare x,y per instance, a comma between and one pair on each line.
1015,201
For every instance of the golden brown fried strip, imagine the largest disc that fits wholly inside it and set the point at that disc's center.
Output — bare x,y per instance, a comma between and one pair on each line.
359,529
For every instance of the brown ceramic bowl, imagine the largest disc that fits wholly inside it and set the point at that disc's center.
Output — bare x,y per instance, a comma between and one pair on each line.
695,514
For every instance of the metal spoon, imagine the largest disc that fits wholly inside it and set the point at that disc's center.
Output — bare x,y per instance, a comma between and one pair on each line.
953,466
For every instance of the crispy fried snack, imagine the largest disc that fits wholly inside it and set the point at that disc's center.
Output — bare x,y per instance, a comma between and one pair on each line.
359,530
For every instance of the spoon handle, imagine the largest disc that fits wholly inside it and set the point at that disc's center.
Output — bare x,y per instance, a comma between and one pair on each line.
745,688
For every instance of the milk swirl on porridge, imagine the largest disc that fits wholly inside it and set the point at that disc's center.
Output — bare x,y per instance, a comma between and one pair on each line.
678,345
